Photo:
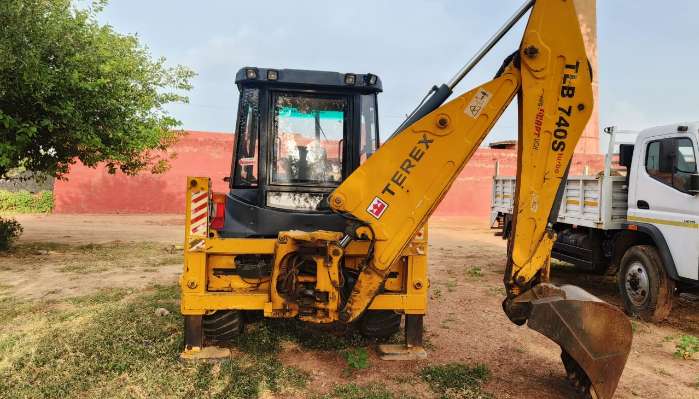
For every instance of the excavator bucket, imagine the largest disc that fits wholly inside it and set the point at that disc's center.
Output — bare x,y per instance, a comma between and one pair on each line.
595,337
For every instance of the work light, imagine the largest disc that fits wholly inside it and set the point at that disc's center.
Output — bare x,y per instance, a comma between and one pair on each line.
350,79
251,73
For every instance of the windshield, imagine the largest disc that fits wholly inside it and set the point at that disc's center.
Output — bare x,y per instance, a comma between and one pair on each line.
308,138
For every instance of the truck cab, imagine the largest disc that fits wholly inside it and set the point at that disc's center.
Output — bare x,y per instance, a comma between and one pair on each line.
663,201
320,126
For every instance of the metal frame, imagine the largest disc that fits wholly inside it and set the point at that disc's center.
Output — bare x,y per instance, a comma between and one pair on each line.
197,299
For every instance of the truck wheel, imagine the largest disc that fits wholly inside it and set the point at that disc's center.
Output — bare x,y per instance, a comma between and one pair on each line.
223,325
380,324
646,289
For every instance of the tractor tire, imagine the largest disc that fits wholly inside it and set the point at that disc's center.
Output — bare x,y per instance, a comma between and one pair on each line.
645,287
380,324
222,326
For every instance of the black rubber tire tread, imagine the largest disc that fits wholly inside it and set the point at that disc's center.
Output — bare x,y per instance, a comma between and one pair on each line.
380,324
222,326
662,288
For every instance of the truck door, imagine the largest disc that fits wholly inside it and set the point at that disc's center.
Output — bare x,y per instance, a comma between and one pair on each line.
661,196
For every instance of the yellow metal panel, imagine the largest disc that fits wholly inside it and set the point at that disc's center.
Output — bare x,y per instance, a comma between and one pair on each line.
555,105
409,304
241,246
193,304
397,189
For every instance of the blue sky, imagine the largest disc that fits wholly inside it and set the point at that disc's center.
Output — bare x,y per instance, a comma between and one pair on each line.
648,51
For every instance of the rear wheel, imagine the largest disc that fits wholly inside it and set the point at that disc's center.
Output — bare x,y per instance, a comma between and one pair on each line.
380,324
645,287
223,325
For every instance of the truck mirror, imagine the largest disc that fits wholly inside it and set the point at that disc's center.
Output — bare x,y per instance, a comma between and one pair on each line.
694,183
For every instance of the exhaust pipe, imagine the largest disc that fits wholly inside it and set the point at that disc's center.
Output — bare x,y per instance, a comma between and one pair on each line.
595,337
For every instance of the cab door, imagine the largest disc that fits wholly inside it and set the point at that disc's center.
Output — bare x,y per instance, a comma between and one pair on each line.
662,197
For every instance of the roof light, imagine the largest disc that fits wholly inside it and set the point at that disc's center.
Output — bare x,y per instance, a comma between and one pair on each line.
350,79
682,128
371,79
251,73
272,74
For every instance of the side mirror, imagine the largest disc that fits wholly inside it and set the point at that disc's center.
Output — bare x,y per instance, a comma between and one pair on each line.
694,183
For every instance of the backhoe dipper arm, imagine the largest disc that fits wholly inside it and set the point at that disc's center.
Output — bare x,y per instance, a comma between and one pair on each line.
396,190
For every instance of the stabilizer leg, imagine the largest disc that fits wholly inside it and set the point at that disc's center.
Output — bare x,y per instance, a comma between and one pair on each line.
194,348
412,349
193,332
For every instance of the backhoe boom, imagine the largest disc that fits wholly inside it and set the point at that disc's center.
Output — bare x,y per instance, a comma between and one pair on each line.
395,191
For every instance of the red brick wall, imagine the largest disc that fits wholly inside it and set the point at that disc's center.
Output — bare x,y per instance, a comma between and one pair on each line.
95,191
209,154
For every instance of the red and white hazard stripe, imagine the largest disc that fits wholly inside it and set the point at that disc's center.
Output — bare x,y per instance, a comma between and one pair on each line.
199,214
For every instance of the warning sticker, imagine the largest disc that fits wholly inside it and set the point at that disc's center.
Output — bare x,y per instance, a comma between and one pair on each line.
479,101
377,208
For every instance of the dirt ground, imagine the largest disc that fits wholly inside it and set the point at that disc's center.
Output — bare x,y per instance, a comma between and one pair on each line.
465,322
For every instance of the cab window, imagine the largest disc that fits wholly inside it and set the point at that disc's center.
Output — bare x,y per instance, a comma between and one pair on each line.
246,158
672,161
368,127
307,142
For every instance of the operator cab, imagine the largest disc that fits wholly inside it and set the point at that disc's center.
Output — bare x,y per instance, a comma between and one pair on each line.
299,133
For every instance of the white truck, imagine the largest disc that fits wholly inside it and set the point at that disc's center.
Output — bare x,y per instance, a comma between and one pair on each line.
638,219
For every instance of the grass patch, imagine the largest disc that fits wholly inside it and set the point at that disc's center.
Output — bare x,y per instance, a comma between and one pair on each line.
354,391
445,324
110,344
663,372
88,258
451,285
267,335
356,358
170,260
82,268
669,338
634,326
497,291
457,380
474,272
687,346
26,202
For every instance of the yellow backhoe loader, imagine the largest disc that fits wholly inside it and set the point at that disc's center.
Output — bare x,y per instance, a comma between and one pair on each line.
323,225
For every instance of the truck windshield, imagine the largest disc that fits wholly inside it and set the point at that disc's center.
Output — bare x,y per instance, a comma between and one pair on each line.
307,139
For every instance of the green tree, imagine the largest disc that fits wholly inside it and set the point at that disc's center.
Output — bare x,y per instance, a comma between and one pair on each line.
72,89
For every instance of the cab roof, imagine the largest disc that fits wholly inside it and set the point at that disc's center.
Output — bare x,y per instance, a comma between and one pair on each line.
308,78
682,127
